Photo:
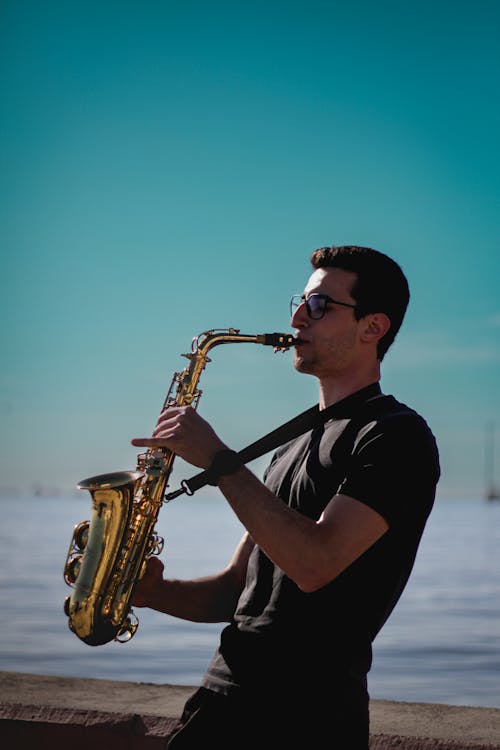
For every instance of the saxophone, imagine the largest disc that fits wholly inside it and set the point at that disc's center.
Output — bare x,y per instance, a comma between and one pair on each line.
107,555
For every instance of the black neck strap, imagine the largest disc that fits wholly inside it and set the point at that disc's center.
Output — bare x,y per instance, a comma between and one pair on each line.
307,420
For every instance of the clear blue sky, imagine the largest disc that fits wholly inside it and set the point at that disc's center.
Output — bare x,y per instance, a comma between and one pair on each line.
169,167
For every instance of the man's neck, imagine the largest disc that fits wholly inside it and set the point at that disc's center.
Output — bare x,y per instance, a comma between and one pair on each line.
332,390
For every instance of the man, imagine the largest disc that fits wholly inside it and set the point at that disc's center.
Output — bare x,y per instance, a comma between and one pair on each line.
332,533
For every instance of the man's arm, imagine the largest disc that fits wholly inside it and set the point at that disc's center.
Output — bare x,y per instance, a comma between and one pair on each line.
312,553
209,599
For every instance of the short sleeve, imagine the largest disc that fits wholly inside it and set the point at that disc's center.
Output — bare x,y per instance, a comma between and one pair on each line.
394,468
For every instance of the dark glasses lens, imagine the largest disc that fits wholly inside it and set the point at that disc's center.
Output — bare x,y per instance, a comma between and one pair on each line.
315,304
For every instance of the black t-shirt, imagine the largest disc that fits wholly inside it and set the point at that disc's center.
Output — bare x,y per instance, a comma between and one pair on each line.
381,453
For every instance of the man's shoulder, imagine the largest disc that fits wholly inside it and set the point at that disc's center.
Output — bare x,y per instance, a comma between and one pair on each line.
388,413
387,406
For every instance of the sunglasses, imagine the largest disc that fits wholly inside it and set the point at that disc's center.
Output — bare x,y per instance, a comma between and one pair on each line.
316,304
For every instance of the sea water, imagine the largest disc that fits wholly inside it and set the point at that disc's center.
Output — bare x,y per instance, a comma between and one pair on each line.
441,644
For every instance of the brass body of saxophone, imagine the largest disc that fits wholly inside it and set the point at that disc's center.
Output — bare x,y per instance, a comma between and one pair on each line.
108,553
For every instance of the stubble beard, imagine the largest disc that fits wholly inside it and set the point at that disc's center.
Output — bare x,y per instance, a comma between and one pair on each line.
332,359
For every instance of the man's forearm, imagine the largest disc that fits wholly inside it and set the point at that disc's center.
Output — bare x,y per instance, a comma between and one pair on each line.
210,599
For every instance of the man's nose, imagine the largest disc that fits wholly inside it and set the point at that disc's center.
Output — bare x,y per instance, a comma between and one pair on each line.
300,316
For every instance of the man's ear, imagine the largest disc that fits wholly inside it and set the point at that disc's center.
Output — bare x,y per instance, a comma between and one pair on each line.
375,326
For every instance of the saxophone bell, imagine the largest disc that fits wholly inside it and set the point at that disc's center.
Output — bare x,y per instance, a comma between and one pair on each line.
97,610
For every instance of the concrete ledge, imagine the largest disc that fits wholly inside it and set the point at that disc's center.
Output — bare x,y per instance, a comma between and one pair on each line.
45,727
50,712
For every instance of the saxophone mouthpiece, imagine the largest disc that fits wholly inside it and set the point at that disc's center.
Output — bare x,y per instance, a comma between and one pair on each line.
281,341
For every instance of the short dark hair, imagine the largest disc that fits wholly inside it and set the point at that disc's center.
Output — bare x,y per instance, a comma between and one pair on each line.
380,286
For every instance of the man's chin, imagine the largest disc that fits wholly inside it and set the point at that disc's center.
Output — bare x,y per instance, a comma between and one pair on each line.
302,364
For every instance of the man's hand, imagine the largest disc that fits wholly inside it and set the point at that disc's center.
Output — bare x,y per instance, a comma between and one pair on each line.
148,587
185,433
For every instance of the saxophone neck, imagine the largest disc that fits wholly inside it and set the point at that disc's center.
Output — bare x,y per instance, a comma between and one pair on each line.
205,341
184,389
